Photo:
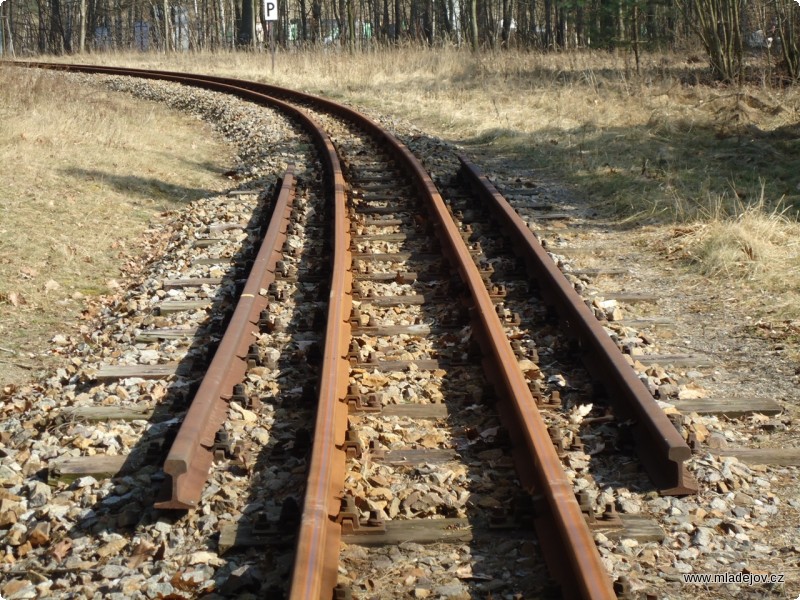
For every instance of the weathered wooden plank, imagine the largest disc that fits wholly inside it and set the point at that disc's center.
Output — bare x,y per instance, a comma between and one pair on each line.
399,196
629,297
409,300
416,411
113,372
378,210
432,531
385,222
373,178
430,364
395,256
384,185
576,250
556,216
155,335
634,527
415,456
729,407
220,260
419,531
220,227
106,413
384,237
646,322
419,330
399,276
676,360
100,466
779,457
244,192
171,284
525,202
206,242
600,271
175,306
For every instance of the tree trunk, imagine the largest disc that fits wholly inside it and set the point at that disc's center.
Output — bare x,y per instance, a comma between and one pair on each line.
506,35
548,24
167,44
398,19
351,26
246,24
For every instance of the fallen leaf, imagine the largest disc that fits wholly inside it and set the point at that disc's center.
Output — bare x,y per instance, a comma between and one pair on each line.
51,285
112,548
141,553
61,549
185,582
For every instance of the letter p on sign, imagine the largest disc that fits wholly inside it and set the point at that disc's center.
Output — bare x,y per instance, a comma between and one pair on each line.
270,10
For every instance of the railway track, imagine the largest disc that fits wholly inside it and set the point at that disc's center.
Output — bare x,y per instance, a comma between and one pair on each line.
410,388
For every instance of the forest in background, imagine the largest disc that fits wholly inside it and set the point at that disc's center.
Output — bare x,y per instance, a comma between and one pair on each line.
730,31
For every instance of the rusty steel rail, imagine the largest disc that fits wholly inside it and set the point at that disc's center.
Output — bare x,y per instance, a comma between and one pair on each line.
316,565
569,547
660,447
191,454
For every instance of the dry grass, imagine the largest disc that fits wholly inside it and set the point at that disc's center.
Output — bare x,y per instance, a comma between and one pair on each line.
660,147
653,144
752,246
82,176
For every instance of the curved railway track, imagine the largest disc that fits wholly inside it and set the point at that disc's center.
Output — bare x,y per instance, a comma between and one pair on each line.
407,270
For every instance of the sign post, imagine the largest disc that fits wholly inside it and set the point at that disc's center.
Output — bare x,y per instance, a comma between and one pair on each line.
271,15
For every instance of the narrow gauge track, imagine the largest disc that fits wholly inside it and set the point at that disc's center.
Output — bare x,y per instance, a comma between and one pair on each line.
565,539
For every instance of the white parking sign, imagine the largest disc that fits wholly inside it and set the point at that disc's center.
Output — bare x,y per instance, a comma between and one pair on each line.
270,10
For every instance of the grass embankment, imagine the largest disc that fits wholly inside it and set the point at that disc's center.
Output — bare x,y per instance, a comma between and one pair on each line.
83,172
716,169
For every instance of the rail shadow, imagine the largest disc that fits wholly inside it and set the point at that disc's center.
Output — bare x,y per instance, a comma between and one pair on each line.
148,189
